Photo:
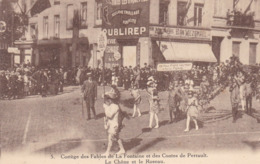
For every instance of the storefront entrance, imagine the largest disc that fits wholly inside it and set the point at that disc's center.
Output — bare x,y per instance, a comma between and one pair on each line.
129,56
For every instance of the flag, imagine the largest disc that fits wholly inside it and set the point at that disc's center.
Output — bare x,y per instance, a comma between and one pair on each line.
39,6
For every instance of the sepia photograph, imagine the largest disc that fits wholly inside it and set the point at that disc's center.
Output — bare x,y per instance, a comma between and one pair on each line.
129,81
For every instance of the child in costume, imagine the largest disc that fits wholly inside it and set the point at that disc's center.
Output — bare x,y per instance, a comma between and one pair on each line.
192,111
137,99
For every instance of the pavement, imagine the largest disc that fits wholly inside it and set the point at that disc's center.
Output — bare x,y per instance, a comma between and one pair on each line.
55,125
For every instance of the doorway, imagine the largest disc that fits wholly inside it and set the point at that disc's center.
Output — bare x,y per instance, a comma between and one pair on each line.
129,56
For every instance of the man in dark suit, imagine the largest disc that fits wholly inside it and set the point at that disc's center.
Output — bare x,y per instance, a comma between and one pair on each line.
89,90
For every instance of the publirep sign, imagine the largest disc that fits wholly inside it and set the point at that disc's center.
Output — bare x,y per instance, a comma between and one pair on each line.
174,66
126,18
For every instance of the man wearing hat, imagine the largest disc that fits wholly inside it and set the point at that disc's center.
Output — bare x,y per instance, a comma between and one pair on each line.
89,93
3,84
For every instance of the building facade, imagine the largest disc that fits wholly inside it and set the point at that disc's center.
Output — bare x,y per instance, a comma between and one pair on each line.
236,29
53,39
144,31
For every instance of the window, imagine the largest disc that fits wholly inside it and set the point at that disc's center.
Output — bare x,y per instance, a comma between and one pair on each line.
33,31
56,26
84,14
236,49
181,13
56,2
252,54
198,14
98,13
163,13
70,14
45,27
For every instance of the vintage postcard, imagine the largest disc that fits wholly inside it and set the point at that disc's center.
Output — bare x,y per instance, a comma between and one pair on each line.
129,81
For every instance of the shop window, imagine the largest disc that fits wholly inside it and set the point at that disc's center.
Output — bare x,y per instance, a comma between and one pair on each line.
252,54
84,14
163,13
181,13
98,13
45,27
70,14
56,26
198,9
236,49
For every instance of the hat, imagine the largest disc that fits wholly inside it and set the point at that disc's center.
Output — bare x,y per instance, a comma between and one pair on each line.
190,92
151,78
149,83
110,95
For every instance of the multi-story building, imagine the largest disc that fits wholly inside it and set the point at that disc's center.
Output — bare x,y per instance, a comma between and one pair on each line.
188,30
144,31
236,30
54,39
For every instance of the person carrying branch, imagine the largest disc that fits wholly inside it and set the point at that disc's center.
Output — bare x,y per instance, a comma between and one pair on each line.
113,122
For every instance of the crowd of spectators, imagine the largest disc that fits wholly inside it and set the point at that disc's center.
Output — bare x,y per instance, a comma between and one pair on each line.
27,80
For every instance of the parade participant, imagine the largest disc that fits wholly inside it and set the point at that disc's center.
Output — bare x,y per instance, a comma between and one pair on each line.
26,83
44,84
89,93
241,82
173,101
3,85
204,92
112,123
137,99
12,86
154,103
20,87
234,97
248,95
188,81
137,78
114,79
61,79
192,111
114,90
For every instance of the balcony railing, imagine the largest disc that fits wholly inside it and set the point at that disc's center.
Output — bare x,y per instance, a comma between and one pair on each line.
237,18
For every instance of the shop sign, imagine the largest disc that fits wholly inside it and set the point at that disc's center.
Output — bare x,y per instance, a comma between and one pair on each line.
13,50
28,51
174,66
102,41
126,18
179,33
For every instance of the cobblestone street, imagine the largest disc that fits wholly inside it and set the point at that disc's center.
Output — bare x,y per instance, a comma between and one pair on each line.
55,125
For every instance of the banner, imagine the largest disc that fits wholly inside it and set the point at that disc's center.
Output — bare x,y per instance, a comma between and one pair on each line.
180,33
122,18
174,67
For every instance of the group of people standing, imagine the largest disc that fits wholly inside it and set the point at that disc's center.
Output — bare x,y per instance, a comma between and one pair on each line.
189,94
